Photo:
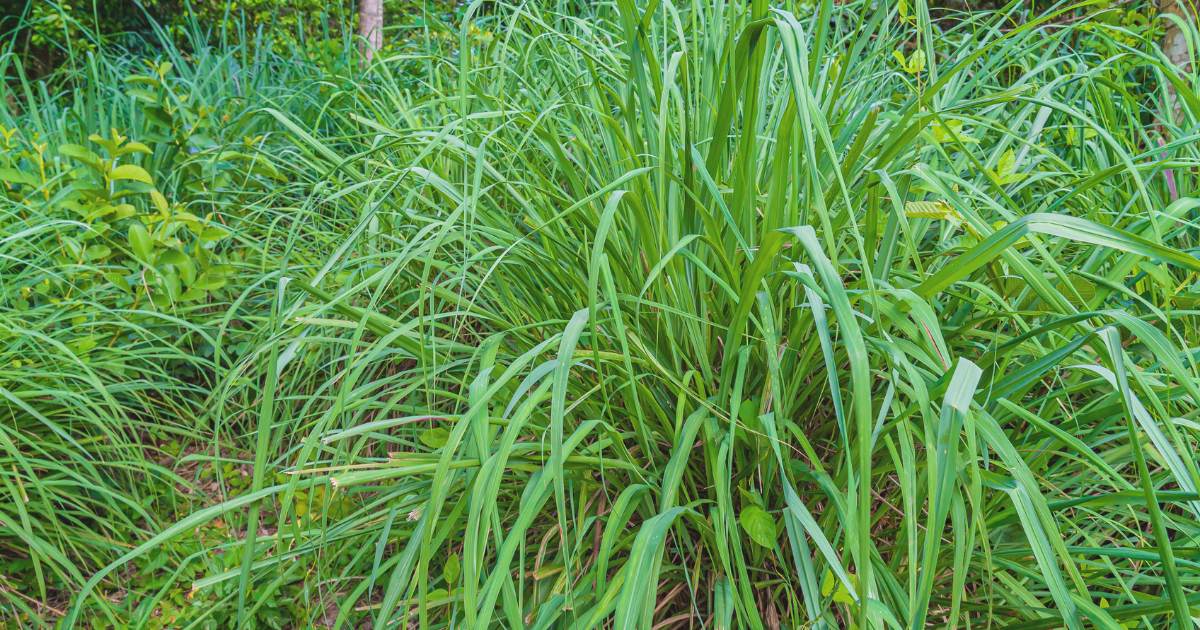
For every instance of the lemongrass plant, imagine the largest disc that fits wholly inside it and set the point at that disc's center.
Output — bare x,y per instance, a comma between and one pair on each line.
715,315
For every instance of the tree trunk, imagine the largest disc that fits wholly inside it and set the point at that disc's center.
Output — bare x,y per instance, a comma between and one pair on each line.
370,26
1175,43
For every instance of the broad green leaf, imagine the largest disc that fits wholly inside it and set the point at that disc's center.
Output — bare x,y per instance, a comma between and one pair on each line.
1007,164
213,234
160,202
87,156
131,171
134,147
141,243
171,257
208,283
435,438
450,570
15,176
759,525
118,280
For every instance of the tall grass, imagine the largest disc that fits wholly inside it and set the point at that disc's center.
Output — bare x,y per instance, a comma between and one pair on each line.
103,392
717,315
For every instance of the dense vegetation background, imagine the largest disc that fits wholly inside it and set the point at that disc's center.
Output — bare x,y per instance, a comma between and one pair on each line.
853,314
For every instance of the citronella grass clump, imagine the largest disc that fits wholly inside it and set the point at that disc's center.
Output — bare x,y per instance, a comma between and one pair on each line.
664,316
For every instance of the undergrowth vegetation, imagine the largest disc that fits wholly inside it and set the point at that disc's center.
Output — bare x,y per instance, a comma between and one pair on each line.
621,315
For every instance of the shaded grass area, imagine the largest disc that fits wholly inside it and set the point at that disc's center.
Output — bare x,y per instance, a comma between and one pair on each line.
691,315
